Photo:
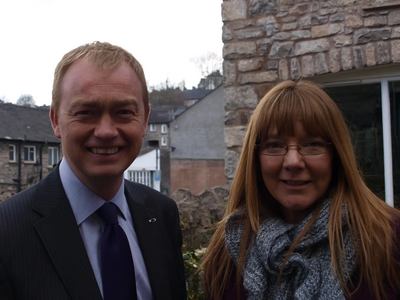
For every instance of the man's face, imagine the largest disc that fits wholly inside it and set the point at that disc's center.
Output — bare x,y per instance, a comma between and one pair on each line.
101,121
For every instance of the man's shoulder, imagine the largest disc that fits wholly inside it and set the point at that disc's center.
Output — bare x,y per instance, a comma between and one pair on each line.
150,193
20,199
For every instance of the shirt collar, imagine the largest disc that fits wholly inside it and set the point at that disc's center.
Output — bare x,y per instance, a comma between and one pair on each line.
85,202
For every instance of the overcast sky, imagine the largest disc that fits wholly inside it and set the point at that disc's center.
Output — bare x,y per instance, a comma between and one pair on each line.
163,35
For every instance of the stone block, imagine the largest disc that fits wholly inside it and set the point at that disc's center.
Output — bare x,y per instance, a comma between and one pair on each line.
295,68
370,55
301,34
250,64
229,72
337,18
239,50
315,20
289,26
234,10
358,58
375,21
342,40
227,34
240,97
240,24
231,118
272,65
305,22
281,50
307,65
334,61
363,36
395,33
244,34
326,30
262,7
347,60
258,77
315,46
234,136
282,36
395,51
283,69
321,66
354,21
383,53
231,162
394,17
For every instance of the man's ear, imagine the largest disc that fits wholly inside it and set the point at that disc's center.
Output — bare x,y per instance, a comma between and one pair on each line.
54,123
146,119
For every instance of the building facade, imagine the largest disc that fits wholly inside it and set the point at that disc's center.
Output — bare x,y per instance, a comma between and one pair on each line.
28,148
350,47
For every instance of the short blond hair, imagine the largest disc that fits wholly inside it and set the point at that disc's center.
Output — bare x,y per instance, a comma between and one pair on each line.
102,55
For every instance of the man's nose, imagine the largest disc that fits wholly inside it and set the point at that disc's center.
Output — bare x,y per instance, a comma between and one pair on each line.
106,128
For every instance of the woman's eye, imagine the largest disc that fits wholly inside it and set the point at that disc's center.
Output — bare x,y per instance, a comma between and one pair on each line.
274,145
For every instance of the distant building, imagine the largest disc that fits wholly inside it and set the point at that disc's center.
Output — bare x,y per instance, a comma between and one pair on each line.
28,147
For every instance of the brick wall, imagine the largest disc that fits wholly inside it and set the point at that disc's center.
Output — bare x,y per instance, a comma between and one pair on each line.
196,175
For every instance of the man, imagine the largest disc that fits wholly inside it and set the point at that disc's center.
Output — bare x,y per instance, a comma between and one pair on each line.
54,241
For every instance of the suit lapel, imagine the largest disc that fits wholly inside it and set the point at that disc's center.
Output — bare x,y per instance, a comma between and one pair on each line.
150,240
61,237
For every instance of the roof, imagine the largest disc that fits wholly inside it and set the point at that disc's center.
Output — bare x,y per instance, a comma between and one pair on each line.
195,94
25,123
164,114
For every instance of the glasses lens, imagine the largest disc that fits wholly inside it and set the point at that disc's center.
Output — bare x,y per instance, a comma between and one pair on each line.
313,147
273,148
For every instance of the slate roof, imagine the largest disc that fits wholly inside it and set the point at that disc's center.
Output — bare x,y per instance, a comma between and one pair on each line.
25,123
195,94
164,114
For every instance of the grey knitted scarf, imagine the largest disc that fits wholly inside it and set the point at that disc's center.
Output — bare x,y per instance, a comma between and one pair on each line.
307,273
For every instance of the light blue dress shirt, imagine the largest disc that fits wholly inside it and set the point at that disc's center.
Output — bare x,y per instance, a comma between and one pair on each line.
84,204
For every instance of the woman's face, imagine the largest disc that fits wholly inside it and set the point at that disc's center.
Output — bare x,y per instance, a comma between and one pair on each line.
296,181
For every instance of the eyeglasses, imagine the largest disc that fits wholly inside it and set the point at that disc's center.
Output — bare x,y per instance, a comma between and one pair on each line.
281,149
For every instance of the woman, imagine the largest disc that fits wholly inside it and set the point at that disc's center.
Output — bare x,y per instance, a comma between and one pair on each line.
300,221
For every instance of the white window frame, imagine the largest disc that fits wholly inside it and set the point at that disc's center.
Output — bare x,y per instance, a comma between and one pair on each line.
164,128
386,130
163,141
53,150
14,151
31,151
153,127
143,177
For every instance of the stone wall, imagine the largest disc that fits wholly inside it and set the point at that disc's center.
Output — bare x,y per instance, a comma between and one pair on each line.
198,213
9,170
266,41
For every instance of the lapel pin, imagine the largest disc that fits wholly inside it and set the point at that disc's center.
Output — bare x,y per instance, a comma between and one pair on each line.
152,220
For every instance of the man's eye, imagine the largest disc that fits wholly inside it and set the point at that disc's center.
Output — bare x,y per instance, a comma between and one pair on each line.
83,112
125,112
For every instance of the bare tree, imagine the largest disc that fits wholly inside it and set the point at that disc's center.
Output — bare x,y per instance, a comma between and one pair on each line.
208,63
26,100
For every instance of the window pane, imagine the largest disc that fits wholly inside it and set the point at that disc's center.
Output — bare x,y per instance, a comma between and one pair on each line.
50,157
394,92
361,105
12,153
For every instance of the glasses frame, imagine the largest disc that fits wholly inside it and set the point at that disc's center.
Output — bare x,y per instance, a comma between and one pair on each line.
298,150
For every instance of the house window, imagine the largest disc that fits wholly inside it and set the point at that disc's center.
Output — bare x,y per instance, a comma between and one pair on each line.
163,128
143,177
30,154
12,153
152,127
163,141
54,156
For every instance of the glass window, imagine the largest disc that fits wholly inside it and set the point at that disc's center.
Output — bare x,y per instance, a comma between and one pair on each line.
153,127
163,141
361,105
163,128
394,93
53,156
30,153
12,153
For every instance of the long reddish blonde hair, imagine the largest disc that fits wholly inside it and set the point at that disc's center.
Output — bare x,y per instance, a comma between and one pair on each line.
367,215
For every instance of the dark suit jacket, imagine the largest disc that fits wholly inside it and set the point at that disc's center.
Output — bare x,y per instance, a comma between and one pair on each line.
42,255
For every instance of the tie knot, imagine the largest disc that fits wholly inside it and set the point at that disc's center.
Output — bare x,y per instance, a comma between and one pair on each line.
109,213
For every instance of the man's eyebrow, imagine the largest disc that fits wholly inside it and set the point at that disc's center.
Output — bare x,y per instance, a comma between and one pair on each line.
89,103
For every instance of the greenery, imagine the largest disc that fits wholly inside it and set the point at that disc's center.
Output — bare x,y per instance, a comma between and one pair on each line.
191,260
